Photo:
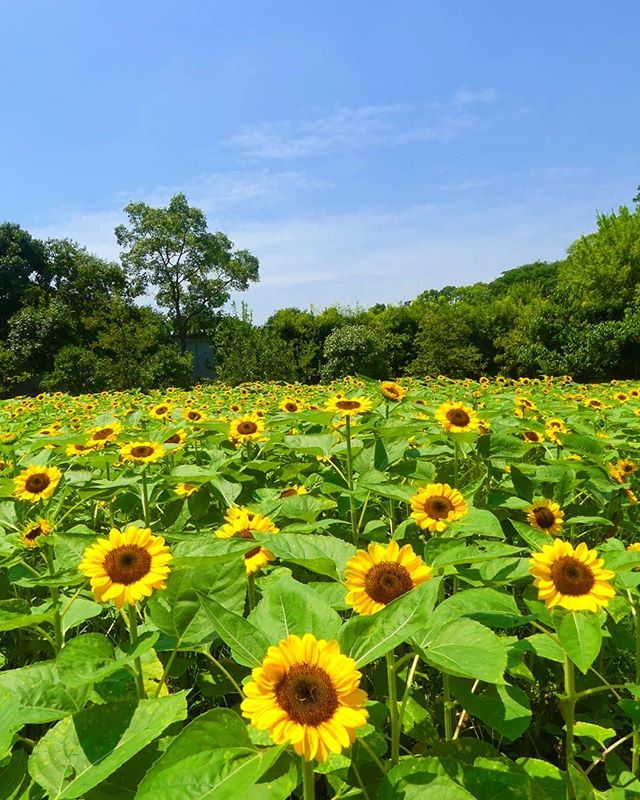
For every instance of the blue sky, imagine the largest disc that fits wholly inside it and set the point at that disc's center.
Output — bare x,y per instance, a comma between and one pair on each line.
364,151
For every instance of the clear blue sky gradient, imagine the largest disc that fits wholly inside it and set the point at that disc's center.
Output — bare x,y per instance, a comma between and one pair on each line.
364,151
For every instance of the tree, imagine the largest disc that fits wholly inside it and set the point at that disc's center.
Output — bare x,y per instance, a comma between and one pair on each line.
192,269
23,263
445,344
354,350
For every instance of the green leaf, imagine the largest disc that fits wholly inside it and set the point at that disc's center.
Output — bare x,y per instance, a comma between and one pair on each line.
505,709
10,721
18,614
177,611
81,751
480,522
288,606
324,555
42,694
467,649
90,657
580,635
488,606
547,781
211,759
248,644
366,638
588,730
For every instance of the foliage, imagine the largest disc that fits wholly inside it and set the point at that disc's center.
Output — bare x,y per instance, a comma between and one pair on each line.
191,269
354,349
476,687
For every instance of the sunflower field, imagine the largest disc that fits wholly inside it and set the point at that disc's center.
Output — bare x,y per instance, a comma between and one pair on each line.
424,589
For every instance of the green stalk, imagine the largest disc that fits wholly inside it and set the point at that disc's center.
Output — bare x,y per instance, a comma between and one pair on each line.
456,458
569,719
251,592
352,502
393,708
145,498
137,664
308,780
447,707
55,602
635,749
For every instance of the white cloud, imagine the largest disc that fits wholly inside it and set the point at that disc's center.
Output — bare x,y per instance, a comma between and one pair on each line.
347,129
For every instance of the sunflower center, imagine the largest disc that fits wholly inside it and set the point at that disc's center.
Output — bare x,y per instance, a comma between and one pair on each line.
307,694
253,552
531,436
291,407
175,439
459,417
247,427
32,534
37,483
570,576
127,564
438,507
194,416
141,451
545,517
287,492
347,405
161,410
386,581
103,433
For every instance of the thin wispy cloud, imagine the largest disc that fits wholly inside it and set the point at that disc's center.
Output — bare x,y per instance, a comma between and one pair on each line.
348,129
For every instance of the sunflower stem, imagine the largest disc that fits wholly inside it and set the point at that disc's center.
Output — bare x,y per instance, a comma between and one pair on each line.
137,664
145,498
569,719
308,780
352,502
456,461
393,708
251,592
635,749
447,707
55,602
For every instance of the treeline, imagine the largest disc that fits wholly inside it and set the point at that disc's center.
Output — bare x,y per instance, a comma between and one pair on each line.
71,321
579,316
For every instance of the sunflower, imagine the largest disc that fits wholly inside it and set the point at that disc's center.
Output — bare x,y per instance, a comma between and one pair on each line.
105,433
376,577
247,428
622,469
242,523
392,391
144,452
292,491
348,406
36,483
457,418
177,438
32,532
573,579
161,410
308,693
437,505
291,405
126,566
633,547
185,489
545,515
80,449
194,415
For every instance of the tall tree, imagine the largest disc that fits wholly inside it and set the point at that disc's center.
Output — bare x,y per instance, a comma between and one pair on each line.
192,269
23,264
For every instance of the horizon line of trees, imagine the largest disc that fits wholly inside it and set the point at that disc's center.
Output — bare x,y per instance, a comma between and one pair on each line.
71,321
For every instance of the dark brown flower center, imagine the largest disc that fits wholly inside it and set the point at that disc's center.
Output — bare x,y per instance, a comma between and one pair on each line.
37,483
161,410
142,451
545,518
253,552
194,416
127,564
570,576
459,417
307,694
386,581
32,534
291,407
247,427
438,507
348,405
287,492
175,439
103,433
